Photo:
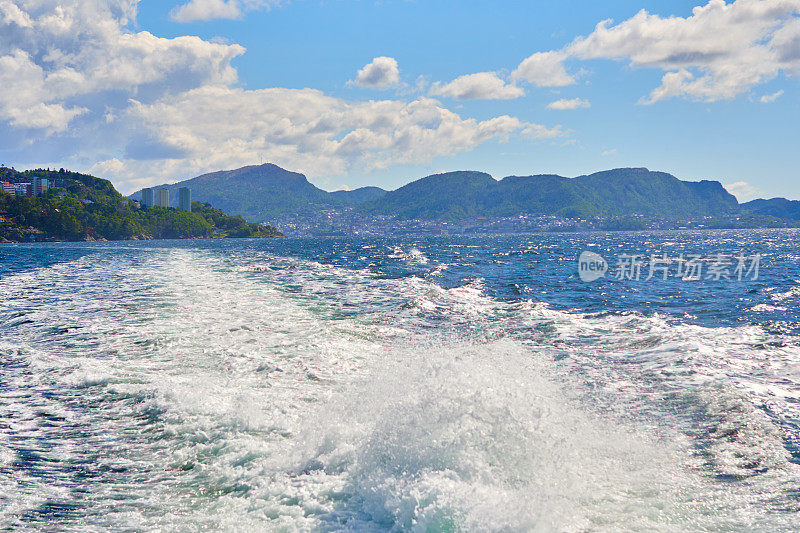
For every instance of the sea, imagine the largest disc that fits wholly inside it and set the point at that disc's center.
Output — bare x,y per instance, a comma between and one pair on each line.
445,383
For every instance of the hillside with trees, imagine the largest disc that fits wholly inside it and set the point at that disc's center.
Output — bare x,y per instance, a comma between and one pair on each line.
611,193
82,207
266,191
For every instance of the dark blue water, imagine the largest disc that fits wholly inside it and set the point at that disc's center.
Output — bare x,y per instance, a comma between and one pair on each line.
544,268
541,268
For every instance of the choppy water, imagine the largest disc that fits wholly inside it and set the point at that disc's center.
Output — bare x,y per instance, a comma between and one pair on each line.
439,384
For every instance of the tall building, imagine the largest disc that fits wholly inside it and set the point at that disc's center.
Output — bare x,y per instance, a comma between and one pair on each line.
40,185
148,198
162,198
185,199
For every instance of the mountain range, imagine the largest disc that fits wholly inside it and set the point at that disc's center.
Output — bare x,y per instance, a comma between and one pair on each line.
265,192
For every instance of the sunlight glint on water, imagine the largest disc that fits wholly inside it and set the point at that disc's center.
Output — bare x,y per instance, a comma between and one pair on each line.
185,388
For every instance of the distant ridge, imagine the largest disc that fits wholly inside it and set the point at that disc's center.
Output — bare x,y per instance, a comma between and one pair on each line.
357,196
265,192
261,192
775,207
618,192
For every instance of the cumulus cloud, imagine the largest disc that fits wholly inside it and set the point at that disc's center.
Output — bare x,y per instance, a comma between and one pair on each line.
381,73
24,100
12,14
742,190
57,56
544,69
480,86
195,10
141,109
565,104
206,10
769,98
305,129
538,131
719,52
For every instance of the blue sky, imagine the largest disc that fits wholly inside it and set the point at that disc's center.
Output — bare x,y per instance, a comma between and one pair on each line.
199,106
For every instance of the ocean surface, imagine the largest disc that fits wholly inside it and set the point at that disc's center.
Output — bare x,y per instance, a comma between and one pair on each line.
399,384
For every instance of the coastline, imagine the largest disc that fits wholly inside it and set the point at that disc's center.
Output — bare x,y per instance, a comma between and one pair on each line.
143,238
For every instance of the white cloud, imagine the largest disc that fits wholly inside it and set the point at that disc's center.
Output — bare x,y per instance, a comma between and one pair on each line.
141,109
544,69
718,52
742,190
480,86
381,73
218,9
537,131
606,153
206,10
12,14
769,98
564,104
64,53
24,99
305,129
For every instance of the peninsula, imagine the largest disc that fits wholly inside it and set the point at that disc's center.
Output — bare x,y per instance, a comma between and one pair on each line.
80,207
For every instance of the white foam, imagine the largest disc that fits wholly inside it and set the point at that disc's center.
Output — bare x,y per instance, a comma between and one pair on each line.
260,392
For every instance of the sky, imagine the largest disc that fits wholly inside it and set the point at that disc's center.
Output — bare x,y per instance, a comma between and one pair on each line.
383,92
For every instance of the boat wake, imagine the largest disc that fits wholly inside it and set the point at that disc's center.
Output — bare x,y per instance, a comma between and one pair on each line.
180,388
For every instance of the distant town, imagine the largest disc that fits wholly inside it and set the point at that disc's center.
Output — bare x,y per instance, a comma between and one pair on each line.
34,187
351,221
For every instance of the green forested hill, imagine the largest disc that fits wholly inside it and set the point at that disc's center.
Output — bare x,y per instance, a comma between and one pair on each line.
776,207
356,196
454,195
619,192
84,207
263,192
